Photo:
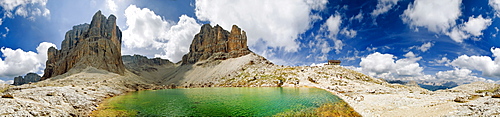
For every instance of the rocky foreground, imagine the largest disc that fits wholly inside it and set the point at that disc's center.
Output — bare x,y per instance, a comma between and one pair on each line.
74,95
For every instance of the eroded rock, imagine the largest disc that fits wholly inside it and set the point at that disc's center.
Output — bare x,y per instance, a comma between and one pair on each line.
97,44
217,43
29,78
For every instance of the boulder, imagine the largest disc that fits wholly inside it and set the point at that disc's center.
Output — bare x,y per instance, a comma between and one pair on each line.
97,44
217,43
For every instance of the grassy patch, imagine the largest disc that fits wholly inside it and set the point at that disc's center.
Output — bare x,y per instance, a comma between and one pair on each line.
113,113
3,89
106,110
489,90
337,109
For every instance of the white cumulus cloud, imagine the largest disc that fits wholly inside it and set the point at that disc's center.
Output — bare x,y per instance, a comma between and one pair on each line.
25,8
333,24
435,15
475,26
440,16
18,62
276,22
151,35
488,66
496,5
459,75
387,66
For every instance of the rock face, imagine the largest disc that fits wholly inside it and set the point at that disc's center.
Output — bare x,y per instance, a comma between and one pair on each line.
217,43
30,77
138,63
137,60
97,44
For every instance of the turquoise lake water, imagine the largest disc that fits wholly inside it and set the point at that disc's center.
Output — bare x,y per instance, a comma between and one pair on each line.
247,101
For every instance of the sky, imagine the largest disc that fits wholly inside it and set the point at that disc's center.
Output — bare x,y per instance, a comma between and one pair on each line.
420,40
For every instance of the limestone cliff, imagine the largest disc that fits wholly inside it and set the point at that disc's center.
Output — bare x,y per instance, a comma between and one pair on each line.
97,44
217,43
138,63
29,78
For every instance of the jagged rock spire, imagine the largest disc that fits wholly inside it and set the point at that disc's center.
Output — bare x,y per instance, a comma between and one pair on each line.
97,44
217,41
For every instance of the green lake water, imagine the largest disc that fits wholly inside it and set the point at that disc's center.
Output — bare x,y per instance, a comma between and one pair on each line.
266,101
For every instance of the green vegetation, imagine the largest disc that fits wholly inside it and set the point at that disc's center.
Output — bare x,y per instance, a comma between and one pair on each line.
3,89
337,109
489,90
110,112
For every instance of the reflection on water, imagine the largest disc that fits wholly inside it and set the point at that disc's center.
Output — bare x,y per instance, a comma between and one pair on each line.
266,101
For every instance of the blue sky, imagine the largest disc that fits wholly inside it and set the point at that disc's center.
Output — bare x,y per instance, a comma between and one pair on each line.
423,40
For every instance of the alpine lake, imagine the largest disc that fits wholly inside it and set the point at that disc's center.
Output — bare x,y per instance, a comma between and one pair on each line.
241,101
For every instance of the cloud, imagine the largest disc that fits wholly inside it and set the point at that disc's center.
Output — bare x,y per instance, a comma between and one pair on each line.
18,62
487,65
179,38
151,35
441,62
349,32
332,25
459,75
144,28
475,26
440,16
320,45
436,15
387,66
25,8
457,35
496,5
6,32
277,23
358,17
383,6
111,5
21,11
7,82
424,47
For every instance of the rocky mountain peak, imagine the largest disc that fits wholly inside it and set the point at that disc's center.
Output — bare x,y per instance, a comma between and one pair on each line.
97,44
217,43
29,78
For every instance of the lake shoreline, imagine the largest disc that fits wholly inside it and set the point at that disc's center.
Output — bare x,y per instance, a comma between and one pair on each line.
338,105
